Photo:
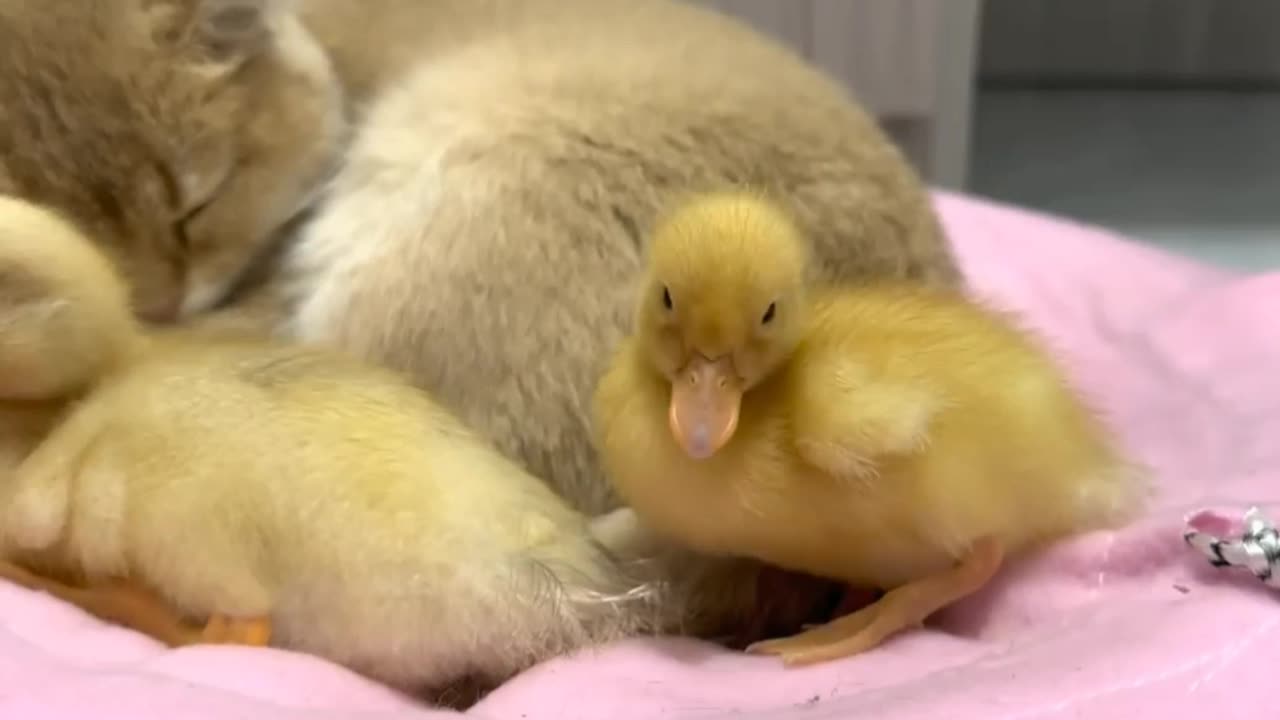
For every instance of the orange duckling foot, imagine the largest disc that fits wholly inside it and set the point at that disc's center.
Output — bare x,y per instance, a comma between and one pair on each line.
901,608
121,602
224,630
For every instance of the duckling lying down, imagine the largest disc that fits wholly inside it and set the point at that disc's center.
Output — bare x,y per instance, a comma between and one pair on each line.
886,435
274,493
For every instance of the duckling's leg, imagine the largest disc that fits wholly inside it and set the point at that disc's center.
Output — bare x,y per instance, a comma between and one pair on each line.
226,630
120,602
901,608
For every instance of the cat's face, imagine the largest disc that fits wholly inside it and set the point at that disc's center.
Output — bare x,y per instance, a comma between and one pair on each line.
180,134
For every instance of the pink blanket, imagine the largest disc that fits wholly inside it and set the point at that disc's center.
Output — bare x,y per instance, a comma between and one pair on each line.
1119,625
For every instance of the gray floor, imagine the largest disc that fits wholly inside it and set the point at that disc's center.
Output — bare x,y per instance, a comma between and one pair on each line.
1197,173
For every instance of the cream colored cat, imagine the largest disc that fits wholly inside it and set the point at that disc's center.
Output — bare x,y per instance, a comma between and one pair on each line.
484,226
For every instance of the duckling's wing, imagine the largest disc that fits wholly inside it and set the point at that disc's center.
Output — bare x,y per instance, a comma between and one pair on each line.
846,417
40,488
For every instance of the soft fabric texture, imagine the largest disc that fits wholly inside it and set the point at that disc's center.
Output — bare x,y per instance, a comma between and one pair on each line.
1183,358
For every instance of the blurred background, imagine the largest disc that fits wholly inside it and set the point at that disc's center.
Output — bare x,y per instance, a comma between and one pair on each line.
1159,118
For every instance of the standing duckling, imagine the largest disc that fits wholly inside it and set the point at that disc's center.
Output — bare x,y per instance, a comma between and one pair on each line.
890,436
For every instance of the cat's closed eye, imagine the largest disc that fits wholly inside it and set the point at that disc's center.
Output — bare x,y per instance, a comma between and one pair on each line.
199,186
193,190
183,237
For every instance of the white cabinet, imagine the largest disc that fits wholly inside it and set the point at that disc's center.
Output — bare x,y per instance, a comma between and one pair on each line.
911,62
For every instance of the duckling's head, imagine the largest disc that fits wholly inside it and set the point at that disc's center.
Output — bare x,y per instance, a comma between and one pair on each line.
721,308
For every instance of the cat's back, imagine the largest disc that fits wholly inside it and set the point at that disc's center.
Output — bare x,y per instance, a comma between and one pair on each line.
529,39
487,228
635,103
586,66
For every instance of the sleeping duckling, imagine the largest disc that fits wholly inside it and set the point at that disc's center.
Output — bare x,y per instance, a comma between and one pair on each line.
889,436
284,495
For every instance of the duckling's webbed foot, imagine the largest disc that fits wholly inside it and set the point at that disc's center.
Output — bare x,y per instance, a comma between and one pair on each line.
118,601
901,608
225,630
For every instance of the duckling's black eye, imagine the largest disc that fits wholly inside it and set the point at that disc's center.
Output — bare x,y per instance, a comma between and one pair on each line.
666,299
769,313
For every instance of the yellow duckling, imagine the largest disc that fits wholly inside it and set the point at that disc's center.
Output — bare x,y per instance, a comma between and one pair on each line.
219,489
890,436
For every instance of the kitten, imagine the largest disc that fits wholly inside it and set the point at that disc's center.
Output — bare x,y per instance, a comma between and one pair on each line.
179,134
484,227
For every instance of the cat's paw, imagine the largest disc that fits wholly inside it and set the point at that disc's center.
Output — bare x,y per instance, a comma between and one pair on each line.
64,311
37,249
28,301
30,306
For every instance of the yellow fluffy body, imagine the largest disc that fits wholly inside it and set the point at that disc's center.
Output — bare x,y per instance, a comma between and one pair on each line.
252,479
884,428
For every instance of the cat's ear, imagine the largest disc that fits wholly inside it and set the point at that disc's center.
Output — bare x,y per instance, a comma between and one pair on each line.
222,32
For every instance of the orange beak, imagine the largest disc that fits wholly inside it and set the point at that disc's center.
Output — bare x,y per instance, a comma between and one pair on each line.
705,399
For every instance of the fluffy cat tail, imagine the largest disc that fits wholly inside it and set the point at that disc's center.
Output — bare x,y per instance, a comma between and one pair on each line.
65,314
